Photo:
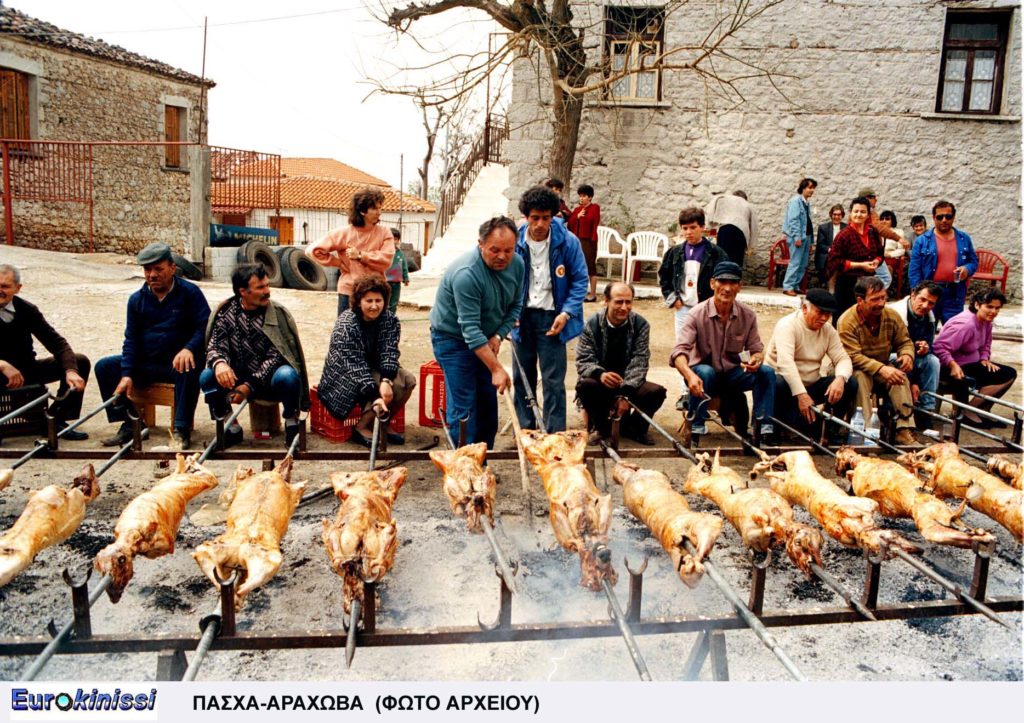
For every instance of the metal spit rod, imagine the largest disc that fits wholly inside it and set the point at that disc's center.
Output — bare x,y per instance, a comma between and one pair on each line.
950,586
227,423
42,444
980,432
661,430
209,634
51,648
524,474
997,400
862,432
530,398
819,572
973,410
817,445
355,611
627,634
22,409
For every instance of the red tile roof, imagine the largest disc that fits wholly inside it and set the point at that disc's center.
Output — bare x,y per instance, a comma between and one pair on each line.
316,193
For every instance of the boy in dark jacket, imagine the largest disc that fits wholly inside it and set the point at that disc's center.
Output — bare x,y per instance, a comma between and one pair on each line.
685,272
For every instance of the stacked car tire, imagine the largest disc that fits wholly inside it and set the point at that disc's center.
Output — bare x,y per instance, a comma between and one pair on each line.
287,266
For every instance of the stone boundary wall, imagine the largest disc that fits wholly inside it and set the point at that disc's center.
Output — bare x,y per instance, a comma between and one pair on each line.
857,114
136,200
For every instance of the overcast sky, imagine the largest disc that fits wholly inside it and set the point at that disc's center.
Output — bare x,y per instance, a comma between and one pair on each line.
290,75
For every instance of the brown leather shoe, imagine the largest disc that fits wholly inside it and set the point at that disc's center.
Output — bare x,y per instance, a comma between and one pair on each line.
905,438
789,292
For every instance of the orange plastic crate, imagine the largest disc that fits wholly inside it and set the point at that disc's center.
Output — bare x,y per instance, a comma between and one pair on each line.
333,429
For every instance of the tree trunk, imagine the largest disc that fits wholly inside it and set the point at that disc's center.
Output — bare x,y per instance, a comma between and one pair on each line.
562,154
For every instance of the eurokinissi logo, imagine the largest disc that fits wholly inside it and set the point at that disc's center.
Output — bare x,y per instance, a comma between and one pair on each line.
65,702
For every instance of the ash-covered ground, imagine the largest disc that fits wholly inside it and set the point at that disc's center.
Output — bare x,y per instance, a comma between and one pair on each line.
442,575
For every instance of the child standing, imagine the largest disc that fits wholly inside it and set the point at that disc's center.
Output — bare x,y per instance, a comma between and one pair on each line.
398,273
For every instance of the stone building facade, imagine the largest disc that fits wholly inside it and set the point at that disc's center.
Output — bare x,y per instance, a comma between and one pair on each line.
858,106
71,88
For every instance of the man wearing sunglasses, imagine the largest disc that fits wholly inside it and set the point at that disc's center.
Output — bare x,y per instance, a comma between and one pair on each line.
945,255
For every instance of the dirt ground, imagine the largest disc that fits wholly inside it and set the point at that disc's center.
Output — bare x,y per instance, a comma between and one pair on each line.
442,575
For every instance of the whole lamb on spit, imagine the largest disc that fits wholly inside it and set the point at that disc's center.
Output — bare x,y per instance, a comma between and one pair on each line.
469,486
261,507
362,539
948,475
1010,471
149,524
762,517
51,516
898,494
648,494
580,514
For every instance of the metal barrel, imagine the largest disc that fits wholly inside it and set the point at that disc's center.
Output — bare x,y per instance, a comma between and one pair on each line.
973,410
227,423
661,430
209,634
627,634
350,637
950,586
748,616
843,423
44,657
24,408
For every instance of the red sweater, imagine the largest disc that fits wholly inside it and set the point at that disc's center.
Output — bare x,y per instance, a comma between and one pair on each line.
584,222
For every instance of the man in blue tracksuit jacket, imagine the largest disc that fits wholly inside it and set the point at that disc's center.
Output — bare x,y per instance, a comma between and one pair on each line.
925,257
553,292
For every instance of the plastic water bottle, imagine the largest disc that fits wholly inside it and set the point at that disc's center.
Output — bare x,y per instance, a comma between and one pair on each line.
873,431
857,422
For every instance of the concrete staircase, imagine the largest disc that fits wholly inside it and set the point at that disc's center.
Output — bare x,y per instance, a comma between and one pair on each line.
486,198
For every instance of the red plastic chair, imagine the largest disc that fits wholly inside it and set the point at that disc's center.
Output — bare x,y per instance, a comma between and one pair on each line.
987,261
778,265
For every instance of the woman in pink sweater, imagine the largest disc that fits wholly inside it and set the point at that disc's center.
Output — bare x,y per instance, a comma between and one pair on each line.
964,346
363,247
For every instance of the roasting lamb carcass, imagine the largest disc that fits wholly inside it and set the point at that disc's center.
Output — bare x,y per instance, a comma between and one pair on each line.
469,486
362,540
948,475
150,522
580,514
762,517
50,516
257,520
650,497
881,486
1012,472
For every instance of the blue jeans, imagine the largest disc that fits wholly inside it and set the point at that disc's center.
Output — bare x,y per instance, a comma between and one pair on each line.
798,259
468,391
186,387
762,382
925,374
285,387
533,347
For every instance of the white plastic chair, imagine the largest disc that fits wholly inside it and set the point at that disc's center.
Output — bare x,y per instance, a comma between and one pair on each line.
644,246
605,236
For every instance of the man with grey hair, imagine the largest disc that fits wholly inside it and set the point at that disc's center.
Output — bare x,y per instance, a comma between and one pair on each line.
20,321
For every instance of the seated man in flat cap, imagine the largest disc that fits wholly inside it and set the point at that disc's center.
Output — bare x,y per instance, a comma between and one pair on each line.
21,320
163,342
811,367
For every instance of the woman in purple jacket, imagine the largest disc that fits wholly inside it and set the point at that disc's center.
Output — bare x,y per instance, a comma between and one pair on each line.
964,346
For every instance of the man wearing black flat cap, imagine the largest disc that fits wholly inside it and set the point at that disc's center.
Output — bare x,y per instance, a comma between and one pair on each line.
811,366
718,349
164,341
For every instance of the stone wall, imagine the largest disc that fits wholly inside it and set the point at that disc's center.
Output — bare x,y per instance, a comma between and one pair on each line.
135,199
860,111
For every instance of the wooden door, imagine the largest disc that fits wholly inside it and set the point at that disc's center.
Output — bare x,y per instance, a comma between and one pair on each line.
285,227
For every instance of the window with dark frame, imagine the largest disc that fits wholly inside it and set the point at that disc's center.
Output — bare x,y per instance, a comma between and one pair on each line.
174,132
15,118
634,38
973,62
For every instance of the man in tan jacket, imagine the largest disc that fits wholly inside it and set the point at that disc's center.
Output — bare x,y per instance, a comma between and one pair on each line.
871,332
811,367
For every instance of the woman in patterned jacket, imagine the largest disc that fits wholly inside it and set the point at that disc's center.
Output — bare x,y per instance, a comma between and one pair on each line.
362,360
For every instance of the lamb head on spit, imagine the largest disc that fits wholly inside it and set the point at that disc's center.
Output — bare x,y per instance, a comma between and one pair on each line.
898,494
648,494
149,524
362,539
998,465
257,520
762,517
469,486
50,516
949,475
580,515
